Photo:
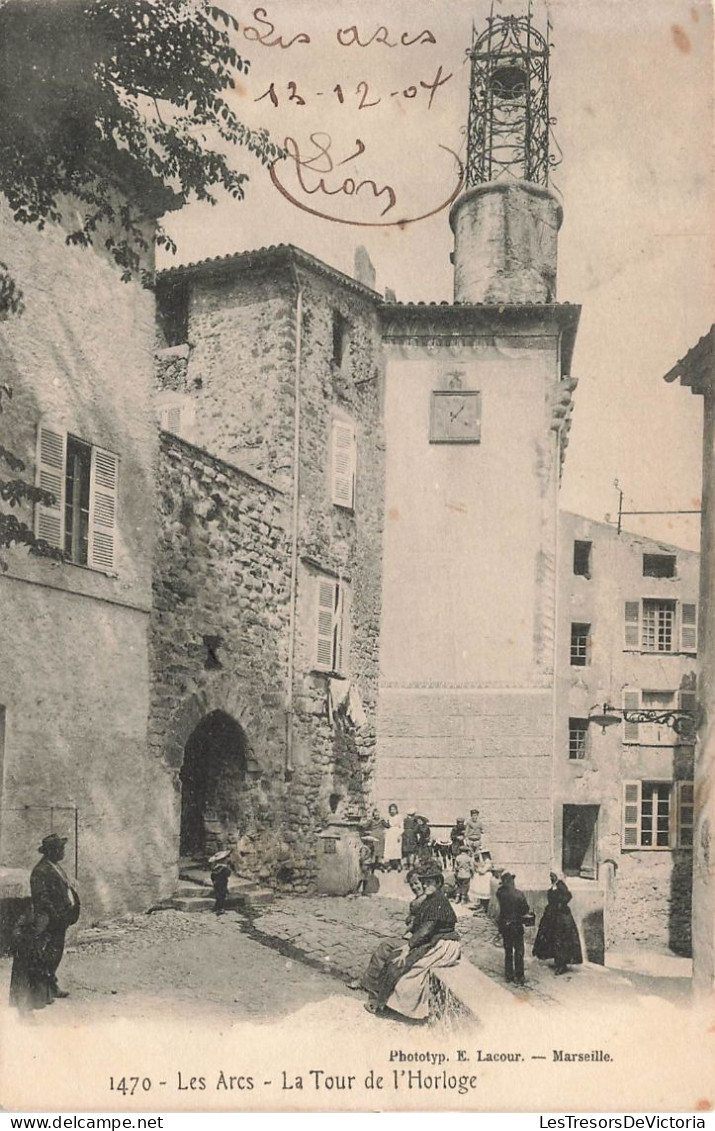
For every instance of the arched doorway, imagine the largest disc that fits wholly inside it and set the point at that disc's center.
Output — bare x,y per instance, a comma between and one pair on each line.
212,780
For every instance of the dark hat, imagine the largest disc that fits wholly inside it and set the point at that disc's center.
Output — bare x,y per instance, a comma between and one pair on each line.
430,871
508,876
52,841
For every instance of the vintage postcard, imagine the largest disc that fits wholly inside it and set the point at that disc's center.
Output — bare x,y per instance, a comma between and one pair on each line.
354,662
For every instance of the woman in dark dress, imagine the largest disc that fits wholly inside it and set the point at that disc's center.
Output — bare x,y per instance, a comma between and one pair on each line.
557,936
388,949
30,985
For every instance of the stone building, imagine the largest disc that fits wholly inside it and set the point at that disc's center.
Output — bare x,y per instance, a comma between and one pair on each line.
267,589
696,372
74,636
623,796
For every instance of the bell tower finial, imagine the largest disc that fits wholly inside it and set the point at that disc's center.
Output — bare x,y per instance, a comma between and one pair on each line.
506,221
509,123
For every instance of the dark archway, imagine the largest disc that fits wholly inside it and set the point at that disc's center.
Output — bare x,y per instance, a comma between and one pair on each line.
212,780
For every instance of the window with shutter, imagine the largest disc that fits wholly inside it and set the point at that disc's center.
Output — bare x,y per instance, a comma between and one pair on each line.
102,509
658,629
631,832
632,624
51,472
688,628
332,650
631,702
343,464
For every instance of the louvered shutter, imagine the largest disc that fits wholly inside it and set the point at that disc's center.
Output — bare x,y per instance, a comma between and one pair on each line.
631,702
51,472
688,628
171,420
631,638
343,464
102,509
684,813
325,651
631,830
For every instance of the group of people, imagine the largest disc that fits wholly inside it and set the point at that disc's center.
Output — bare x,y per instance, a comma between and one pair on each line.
39,937
397,977
557,936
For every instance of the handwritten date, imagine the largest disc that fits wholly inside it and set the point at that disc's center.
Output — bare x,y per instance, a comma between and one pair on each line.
362,92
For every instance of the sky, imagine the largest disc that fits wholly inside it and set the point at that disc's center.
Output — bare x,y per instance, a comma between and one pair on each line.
631,93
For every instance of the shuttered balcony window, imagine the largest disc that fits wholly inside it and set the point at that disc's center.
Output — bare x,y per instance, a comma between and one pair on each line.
81,520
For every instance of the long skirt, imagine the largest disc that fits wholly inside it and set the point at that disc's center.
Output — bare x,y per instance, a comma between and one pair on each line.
557,938
410,997
30,986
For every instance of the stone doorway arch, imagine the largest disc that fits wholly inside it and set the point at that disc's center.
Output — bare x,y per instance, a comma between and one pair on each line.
213,779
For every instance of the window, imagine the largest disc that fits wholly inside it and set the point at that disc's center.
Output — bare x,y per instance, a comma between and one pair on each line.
332,646
83,480
341,338
343,459
578,732
580,645
660,626
582,559
176,413
172,308
657,814
651,733
659,565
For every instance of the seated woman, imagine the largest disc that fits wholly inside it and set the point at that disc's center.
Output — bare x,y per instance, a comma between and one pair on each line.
403,983
389,948
557,936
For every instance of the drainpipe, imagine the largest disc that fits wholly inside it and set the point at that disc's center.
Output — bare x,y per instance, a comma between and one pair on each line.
556,847
294,523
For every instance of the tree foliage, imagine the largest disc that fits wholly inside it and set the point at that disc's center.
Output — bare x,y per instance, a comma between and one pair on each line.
102,101
111,111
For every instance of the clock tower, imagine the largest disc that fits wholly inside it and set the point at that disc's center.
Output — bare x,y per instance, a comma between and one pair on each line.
477,411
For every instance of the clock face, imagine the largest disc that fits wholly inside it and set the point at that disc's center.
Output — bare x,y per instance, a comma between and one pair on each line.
456,417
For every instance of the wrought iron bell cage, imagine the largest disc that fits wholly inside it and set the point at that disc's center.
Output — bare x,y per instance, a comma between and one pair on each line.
509,125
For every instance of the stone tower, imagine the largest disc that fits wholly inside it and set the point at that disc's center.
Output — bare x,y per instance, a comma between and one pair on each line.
477,402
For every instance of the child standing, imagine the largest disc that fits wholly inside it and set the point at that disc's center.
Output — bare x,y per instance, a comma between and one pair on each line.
463,872
221,869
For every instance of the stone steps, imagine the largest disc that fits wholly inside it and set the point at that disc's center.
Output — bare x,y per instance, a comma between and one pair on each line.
194,891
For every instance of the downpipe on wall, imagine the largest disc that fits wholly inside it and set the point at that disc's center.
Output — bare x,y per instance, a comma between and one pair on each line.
294,525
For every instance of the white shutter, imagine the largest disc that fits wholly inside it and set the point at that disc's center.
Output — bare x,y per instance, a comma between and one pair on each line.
631,827
688,628
343,464
325,650
102,509
50,475
631,702
171,419
631,638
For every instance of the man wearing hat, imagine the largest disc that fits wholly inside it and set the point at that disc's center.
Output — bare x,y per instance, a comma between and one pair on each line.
55,905
513,907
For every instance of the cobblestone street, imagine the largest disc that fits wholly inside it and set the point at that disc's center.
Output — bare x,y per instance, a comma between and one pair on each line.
299,950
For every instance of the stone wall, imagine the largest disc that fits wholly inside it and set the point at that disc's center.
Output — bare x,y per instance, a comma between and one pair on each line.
249,336
348,543
223,572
